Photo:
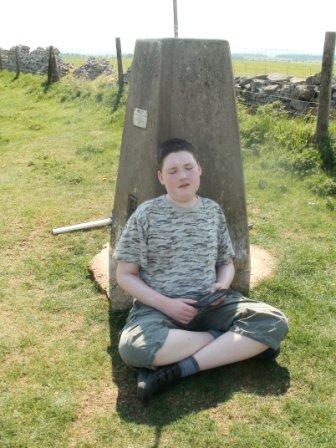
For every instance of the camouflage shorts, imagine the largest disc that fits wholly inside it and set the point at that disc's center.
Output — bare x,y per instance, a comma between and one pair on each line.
146,328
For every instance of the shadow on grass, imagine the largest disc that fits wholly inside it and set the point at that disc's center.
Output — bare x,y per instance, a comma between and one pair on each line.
327,152
46,86
118,98
202,391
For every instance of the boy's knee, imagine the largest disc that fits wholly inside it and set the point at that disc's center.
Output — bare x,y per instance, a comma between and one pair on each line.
133,355
283,326
139,343
275,325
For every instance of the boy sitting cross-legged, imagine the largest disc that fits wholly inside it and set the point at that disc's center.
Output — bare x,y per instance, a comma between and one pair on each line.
174,250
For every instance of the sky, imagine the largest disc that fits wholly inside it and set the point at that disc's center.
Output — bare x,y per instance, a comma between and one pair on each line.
250,26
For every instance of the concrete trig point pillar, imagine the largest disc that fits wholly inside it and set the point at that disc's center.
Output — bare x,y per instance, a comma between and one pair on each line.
183,88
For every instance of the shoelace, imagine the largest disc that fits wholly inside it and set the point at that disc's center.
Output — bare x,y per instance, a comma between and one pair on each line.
166,375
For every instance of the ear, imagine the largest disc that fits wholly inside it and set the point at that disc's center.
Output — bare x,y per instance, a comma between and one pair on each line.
199,169
159,174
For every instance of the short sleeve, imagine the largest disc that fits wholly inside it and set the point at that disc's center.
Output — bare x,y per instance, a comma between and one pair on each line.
132,244
225,248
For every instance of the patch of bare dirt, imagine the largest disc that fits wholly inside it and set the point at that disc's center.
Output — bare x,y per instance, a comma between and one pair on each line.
262,265
95,404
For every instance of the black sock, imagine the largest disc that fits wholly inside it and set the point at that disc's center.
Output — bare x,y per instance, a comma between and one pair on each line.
189,366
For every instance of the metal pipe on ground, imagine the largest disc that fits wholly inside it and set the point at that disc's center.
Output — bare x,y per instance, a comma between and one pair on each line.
83,226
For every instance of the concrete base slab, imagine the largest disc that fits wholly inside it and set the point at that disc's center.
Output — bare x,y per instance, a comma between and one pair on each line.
99,269
262,266
104,275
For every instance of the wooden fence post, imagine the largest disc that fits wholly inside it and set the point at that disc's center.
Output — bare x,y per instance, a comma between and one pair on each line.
120,65
53,75
17,63
325,88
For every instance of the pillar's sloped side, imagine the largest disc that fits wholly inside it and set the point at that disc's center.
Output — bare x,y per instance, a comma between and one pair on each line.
186,88
136,172
197,94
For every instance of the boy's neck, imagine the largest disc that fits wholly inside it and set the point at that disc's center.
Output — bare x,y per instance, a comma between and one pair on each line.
188,204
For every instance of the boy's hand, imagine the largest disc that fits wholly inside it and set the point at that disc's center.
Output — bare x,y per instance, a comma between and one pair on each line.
181,310
215,287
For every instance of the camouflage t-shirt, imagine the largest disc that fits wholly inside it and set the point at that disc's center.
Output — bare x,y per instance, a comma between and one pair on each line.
177,249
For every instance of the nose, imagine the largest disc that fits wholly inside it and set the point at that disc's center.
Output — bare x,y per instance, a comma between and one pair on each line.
183,174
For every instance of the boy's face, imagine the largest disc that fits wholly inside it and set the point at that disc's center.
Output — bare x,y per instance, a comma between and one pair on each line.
180,175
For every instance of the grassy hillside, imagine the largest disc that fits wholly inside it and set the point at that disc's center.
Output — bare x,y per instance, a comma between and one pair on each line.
63,383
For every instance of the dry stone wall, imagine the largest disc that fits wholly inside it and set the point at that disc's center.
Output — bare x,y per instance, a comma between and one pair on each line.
93,68
298,95
35,61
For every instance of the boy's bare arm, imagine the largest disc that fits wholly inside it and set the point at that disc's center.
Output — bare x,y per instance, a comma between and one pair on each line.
127,276
225,274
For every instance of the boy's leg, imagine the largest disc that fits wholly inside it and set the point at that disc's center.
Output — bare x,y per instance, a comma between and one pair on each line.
209,353
250,328
228,349
155,335
180,344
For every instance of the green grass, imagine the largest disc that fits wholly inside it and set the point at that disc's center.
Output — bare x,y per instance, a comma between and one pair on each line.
298,69
63,383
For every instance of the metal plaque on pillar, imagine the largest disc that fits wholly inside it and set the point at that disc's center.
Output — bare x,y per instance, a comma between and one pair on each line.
184,88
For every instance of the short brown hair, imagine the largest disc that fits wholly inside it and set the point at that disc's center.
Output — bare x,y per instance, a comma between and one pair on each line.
173,145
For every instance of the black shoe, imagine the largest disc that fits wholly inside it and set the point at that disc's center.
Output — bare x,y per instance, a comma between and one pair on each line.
152,381
269,354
